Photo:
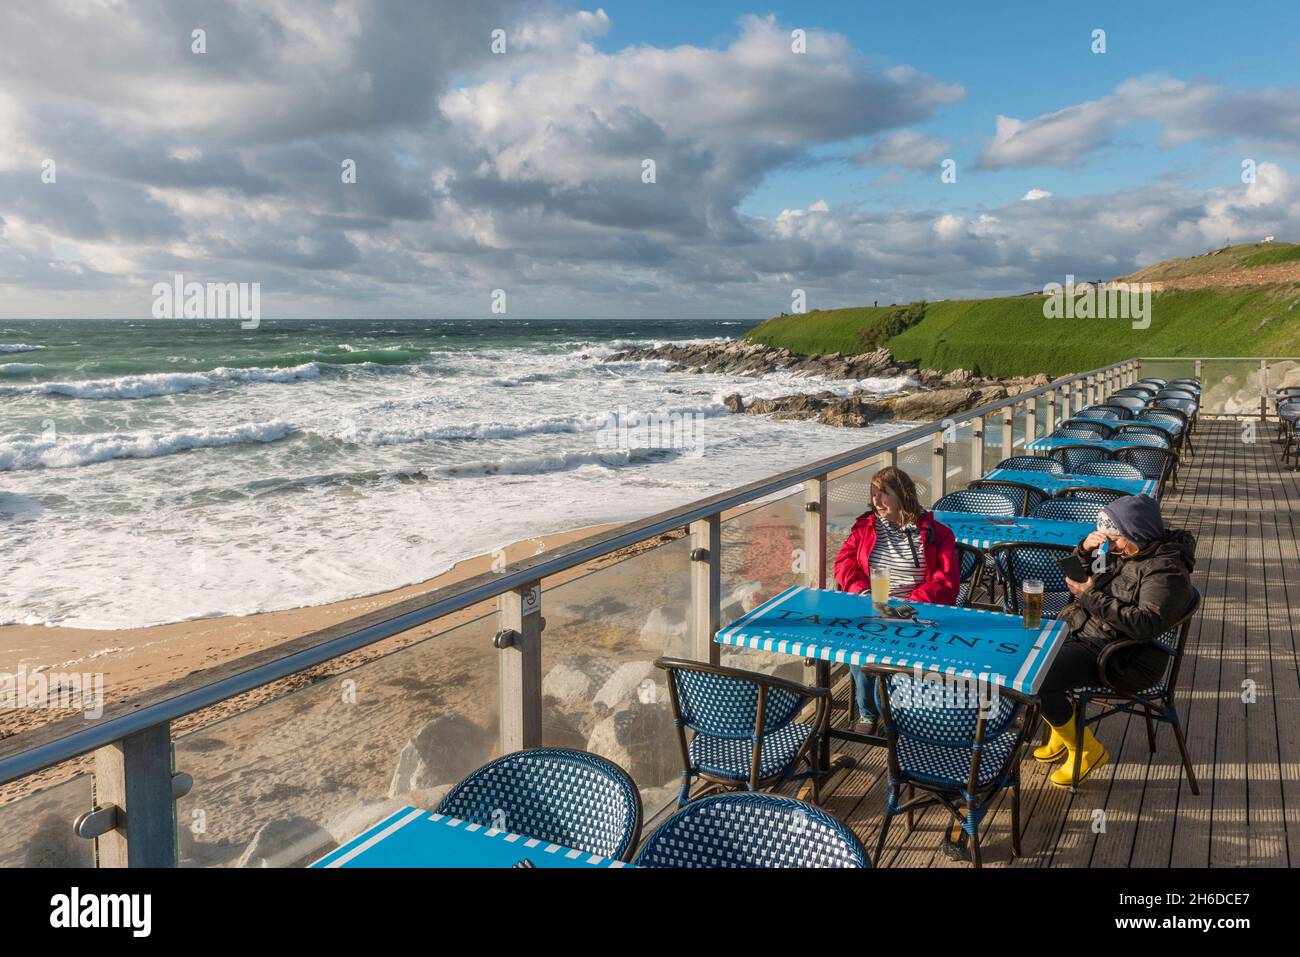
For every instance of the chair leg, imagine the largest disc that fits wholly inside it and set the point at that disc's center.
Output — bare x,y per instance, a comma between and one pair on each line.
884,828
911,814
1182,749
1151,729
1015,819
975,857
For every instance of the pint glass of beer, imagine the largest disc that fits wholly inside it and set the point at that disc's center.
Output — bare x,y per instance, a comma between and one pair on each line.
1031,601
880,586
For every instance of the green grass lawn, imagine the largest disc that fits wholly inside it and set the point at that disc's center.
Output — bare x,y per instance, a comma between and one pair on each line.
1005,337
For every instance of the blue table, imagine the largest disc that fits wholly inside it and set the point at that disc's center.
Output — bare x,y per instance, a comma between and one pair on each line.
985,531
1048,443
1051,484
415,838
846,629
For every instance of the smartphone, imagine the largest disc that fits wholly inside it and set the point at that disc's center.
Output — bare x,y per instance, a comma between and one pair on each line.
1074,569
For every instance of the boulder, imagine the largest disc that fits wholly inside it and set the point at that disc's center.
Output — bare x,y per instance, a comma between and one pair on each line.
287,842
665,627
642,739
445,750
626,685
734,402
53,843
938,404
570,686
346,825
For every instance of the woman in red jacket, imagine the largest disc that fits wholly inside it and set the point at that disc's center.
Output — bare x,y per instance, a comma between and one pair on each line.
920,554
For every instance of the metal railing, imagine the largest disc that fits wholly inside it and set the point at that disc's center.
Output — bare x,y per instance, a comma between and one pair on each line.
132,740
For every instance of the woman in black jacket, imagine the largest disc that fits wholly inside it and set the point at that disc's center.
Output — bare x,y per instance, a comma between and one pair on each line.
1140,585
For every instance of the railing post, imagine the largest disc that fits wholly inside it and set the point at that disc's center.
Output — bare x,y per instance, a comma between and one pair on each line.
938,466
1008,431
519,666
135,776
814,532
977,447
706,587
1065,403
1031,420
1263,388
1051,413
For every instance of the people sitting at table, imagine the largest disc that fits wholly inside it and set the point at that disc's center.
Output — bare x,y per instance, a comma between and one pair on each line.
919,553
1138,589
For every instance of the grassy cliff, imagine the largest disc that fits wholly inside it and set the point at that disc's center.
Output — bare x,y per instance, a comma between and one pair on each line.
1011,336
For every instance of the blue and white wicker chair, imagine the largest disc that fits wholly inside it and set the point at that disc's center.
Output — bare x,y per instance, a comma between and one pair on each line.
1101,428
746,732
1123,411
1288,415
947,749
1096,412
1154,463
1024,495
1018,561
1155,703
574,798
1113,469
1072,457
1032,463
1170,439
1069,510
1175,419
1137,391
751,830
1132,403
1089,493
978,502
1158,383
1153,438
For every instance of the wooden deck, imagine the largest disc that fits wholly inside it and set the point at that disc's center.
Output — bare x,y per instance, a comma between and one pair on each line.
1138,811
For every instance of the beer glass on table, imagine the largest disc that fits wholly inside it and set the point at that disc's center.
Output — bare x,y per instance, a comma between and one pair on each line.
880,586
1031,602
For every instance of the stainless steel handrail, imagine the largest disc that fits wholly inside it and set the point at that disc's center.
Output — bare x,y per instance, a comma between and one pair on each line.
40,748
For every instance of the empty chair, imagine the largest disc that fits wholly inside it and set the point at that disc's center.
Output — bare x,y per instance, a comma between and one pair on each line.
1113,469
746,732
1018,561
1158,383
1096,412
1177,422
1192,384
1130,429
1132,403
751,830
1069,509
1121,411
1288,414
979,502
951,753
1153,463
1102,428
1031,463
1087,493
1071,457
970,565
1077,429
574,798
1138,391
1153,438
1024,495
1186,407
1155,703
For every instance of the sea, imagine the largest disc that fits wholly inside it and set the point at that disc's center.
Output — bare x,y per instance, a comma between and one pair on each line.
157,471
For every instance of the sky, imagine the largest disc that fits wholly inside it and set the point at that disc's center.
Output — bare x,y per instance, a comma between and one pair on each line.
502,151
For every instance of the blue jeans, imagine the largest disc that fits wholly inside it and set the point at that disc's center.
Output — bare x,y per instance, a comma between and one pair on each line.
864,689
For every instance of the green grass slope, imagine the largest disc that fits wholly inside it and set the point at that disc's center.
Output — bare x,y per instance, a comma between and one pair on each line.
1005,337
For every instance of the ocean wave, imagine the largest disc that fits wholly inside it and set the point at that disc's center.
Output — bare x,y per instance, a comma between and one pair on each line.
599,350
37,452
555,462
15,368
154,384
18,347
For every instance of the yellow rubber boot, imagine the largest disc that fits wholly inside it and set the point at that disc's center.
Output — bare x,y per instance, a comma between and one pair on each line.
1093,756
1055,747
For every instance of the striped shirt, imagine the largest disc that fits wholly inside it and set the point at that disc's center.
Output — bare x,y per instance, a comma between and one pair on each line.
904,560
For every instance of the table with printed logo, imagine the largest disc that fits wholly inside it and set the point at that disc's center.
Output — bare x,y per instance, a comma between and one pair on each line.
1052,483
985,531
413,837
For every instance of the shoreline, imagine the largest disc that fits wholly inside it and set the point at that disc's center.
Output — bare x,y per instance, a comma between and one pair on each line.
135,660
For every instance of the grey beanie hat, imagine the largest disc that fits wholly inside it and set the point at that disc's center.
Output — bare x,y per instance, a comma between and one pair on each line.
1136,517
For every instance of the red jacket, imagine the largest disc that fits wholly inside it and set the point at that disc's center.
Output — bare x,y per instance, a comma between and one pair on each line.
938,553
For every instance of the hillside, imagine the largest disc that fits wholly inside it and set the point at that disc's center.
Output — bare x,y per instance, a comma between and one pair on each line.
1229,306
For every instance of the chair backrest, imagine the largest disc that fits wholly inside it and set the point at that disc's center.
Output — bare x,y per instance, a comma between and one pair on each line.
1031,463
1140,391
1187,394
724,702
1193,384
1166,415
1016,562
1174,640
1145,427
979,502
1094,412
1124,412
1068,510
1158,383
741,829
970,561
1090,493
1287,406
1113,469
1071,457
1153,438
1153,463
1185,406
574,798
1132,403
1082,430
1287,391
1102,428
926,709
1025,496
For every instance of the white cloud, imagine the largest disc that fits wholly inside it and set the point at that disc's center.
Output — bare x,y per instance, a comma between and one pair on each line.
1034,194
907,148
